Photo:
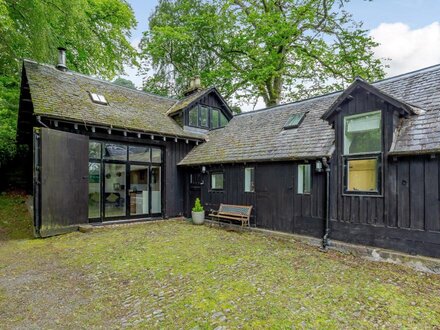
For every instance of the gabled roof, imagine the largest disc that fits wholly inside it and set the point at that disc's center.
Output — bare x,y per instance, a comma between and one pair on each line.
259,135
193,98
407,108
65,96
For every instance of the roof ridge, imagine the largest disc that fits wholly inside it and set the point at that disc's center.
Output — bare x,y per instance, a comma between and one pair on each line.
289,103
408,74
99,80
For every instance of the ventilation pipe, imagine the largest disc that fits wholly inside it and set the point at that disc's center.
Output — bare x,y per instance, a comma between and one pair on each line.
61,59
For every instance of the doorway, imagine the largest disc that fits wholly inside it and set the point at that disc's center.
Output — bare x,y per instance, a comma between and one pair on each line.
124,181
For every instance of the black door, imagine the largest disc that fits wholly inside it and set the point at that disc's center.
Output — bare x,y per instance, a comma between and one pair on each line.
60,181
274,190
195,179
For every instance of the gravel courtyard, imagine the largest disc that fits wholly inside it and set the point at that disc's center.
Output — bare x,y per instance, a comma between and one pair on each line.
174,275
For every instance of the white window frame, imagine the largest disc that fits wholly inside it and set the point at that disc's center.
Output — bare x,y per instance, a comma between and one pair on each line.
301,186
249,179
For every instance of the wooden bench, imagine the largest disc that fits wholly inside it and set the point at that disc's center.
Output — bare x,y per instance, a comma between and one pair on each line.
233,212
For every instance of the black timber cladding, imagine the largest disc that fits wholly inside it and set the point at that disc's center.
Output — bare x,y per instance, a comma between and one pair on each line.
406,215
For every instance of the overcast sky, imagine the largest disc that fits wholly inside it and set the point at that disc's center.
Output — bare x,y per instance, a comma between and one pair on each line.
408,31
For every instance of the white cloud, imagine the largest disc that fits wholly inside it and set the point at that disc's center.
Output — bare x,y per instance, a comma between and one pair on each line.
408,49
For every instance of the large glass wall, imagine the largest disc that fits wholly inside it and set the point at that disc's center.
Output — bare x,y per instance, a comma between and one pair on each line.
124,181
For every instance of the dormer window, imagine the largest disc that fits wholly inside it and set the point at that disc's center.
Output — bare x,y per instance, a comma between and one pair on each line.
97,98
206,117
295,120
363,153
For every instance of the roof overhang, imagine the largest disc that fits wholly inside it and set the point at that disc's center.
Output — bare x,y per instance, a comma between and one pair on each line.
406,108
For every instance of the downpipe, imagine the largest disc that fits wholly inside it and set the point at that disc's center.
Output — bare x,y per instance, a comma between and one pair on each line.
325,238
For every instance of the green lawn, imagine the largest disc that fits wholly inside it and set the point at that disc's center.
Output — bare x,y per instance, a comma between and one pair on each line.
175,275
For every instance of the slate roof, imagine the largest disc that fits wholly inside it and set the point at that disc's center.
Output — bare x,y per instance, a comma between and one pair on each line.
65,95
185,102
259,135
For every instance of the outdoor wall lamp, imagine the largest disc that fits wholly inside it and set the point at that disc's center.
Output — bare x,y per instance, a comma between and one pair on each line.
203,169
318,166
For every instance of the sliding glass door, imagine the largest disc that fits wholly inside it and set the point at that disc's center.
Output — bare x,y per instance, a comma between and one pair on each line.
125,181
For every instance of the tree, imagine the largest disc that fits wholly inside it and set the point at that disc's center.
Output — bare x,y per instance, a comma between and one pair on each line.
95,33
124,83
273,49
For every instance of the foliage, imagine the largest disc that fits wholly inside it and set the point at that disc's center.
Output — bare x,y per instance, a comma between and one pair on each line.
170,274
198,206
124,83
95,33
277,50
9,94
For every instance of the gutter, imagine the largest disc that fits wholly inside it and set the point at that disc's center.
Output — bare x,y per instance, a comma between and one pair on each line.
325,242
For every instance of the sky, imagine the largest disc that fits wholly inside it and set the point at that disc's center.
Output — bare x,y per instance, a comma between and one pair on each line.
408,31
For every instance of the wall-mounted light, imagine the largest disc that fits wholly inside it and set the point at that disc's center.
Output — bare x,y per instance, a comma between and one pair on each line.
203,169
318,166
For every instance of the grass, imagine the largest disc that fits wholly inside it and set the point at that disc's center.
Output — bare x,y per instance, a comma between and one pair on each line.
174,275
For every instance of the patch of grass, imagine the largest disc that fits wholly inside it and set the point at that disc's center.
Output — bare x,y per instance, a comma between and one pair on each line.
15,220
176,275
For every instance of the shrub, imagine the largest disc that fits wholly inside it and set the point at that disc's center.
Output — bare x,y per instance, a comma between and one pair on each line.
198,206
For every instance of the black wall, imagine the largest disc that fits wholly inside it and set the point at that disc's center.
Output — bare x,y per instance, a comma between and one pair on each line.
276,204
406,216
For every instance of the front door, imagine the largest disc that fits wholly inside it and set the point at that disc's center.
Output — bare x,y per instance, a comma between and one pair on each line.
195,181
60,181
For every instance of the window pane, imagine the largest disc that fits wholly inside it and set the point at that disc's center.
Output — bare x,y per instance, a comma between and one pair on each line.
115,152
223,120
204,116
294,120
362,133
94,190
95,149
304,179
139,154
249,185
139,197
362,175
194,116
214,118
156,199
217,181
114,202
156,155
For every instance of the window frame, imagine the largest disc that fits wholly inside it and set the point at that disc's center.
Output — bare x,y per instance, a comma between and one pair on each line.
310,179
198,109
363,156
210,180
379,175
344,120
252,179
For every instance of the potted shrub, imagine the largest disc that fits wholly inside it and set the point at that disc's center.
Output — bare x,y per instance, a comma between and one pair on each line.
198,213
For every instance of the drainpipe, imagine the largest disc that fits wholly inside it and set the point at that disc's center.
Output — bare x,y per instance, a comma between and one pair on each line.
325,243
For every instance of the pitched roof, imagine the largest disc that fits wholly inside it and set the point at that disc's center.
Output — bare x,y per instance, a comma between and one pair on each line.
259,135
192,98
187,101
407,108
65,95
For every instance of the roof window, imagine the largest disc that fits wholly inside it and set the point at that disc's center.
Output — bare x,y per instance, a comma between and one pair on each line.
294,120
97,98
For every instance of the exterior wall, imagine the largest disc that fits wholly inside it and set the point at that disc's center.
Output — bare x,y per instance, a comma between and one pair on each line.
276,204
406,216
173,183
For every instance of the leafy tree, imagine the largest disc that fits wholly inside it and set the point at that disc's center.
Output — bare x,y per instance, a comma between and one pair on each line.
124,83
274,49
95,33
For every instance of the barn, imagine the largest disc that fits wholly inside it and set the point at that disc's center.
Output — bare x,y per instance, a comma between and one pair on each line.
360,165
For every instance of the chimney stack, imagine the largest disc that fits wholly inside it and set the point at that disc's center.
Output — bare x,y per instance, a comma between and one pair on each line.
61,59
195,85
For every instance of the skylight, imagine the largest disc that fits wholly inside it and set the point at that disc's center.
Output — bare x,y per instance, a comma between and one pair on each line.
294,120
97,98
